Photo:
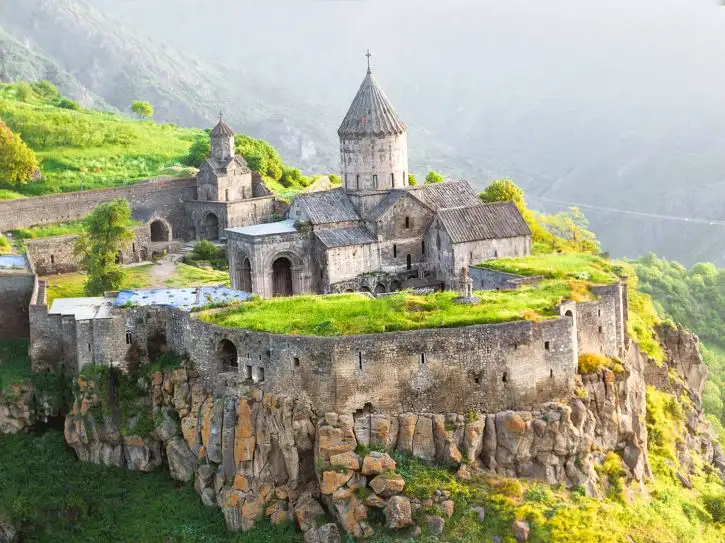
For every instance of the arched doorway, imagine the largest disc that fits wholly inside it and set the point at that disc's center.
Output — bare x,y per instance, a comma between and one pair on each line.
160,231
379,288
226,353
282,277
210,229
395,286
365,289
244,273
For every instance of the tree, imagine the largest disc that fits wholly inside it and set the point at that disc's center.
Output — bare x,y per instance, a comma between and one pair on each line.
434,177
198,152
18,163
144,110
412,181
23,91
335,179
572,227
504,190
45,89
108,230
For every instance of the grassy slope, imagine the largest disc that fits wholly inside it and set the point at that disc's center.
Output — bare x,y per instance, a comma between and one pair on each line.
559,266
349,314
89,149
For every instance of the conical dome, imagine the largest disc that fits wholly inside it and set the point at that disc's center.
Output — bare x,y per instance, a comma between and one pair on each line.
371,113
222,129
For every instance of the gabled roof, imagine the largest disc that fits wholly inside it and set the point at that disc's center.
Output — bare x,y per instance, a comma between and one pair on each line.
345,237
447,194
371,113
221,167
327,206
497,220
389,201
222,129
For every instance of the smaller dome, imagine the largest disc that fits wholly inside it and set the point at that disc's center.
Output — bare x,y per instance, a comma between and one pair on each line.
222,129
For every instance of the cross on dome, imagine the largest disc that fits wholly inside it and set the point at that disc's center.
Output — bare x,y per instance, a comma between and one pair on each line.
368,55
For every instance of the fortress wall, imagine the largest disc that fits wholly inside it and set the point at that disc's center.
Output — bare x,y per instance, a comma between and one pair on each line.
16,290
155,198
600,323
46,339
56,254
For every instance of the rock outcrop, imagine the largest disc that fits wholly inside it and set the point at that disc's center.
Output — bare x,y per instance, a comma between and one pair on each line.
22,405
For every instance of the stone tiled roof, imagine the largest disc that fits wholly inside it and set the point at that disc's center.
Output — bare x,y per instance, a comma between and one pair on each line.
344,237
222,129
390,199
222,167
327,207
447,194
371,113
484,221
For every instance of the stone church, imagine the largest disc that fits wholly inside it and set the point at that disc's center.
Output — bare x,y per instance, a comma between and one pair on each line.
376,233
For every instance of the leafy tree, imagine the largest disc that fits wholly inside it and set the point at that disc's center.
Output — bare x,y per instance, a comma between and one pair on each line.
18,163
198,152
257,162
573,227
23,91
108,230
270,164
292,177
143,109
45,89
67,103
412,181
504,190
434,177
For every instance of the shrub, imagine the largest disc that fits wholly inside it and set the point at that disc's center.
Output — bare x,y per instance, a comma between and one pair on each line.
5,247
595,362
45,89
206,250
67,103
715,505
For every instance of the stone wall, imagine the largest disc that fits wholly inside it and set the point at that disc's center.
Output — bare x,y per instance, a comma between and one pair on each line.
485,279
374,163
56,254
156,198
16,289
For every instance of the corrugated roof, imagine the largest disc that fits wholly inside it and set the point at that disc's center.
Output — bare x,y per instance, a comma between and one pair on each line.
371,113
327,206
344,237
447,194
484,221
222,129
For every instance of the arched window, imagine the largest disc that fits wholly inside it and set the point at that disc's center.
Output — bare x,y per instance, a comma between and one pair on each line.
407,222
422,246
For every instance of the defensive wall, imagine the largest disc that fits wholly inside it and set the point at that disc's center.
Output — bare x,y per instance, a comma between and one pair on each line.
159,198
486,368
16,289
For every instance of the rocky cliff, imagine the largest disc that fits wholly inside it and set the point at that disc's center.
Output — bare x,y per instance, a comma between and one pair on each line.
267,455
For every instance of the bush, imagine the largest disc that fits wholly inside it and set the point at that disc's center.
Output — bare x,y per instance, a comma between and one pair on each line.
67,103
206,250
5,246
433,178
45,89
715,505
595,362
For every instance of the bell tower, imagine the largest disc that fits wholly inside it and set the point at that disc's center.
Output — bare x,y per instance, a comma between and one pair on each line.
222,141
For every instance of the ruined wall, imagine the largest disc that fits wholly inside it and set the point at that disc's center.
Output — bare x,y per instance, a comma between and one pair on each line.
56,254
600,323
485,279
16,290
156,198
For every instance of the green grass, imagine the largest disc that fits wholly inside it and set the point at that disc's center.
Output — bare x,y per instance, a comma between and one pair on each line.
581,266
52,230
350,314
191,276
70,285
57,499
14,363
6,194
5,247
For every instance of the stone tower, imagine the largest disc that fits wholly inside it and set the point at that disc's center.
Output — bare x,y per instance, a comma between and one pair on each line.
373,143
222,142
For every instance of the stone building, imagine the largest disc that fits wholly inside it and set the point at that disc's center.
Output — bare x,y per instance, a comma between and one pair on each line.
376,233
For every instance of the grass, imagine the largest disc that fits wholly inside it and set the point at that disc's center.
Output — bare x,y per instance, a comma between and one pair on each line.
14,363
57,499
52,230
350,314
581,266
596,362
70,285
5,247
191,276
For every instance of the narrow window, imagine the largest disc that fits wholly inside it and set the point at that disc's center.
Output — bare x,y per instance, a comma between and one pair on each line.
601,330
547,345
52,259
410,262
259,357
495,253
407,222
248,373
358,182
249,356
422,359
470,256
133,247
392,179
405,179
375,181
422,246
296,362
395,250
261,375
599,312
438,240
359,360
551,373
129,338
477,380
505,377
89,347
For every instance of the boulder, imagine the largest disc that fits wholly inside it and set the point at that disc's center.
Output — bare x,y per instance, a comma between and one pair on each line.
480,512
521,530
332,480
182,462
376,463
406,429
308,510
398,513
328,533
375,501
448,508
435,524
387,485
347,460
423,442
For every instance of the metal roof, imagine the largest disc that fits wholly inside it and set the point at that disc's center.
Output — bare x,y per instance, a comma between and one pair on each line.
327,206
83,308
182,298
484,221
266,229
371,113
344,237
447,194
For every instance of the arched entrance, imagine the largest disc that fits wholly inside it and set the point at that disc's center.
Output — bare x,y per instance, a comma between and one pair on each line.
210,228
244,273
379,288
226,353
282,277
395,286
160,231
365,289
